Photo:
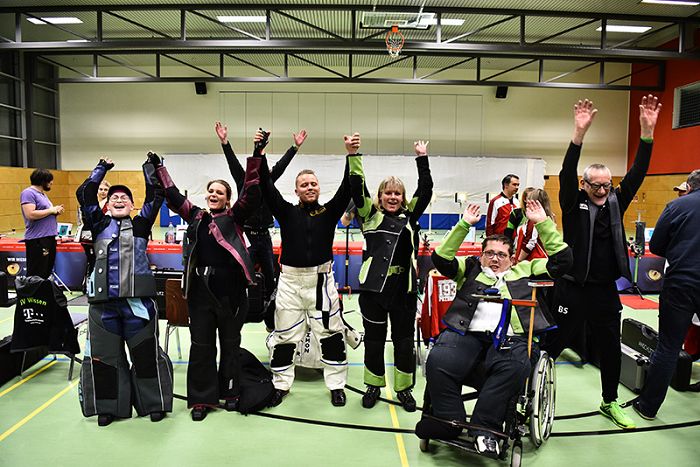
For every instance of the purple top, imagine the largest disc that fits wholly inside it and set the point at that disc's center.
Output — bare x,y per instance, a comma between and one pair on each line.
46,227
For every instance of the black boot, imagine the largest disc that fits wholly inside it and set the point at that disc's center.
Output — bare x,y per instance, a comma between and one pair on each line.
157,416
104,419
338,397
407,400
370,397
231,405
277,397
199,413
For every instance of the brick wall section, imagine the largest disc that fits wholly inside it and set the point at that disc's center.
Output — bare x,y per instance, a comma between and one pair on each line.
14,180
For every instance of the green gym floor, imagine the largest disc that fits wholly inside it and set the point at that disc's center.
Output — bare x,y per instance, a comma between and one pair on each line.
41,423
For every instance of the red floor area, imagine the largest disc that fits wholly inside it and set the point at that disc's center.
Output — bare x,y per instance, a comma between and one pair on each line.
639,303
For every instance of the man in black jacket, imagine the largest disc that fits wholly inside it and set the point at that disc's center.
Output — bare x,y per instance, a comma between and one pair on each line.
592,214
257,226
676,238
306,290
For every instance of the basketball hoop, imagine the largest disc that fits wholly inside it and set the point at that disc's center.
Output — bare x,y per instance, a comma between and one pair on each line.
394,41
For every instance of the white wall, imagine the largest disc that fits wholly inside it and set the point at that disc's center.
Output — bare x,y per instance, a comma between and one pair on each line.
125,120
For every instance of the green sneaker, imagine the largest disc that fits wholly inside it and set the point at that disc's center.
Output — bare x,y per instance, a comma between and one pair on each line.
614,412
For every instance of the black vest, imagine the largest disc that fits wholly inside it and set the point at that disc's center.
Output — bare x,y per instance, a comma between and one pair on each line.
578,234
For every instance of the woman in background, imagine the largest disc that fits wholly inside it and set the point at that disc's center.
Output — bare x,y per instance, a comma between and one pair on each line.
528,245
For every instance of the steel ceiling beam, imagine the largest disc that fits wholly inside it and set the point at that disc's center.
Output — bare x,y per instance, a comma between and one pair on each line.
345,7
537,49
351,76
348,46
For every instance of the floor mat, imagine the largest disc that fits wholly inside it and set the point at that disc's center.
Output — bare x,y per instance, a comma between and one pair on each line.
79,301
639,303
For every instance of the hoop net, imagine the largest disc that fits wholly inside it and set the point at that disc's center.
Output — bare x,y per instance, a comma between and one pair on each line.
394,41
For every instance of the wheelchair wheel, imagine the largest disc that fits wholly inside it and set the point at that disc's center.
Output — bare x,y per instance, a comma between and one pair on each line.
516,455
424,445
543,401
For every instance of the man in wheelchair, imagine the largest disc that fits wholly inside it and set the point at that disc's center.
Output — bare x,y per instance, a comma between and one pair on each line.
483,335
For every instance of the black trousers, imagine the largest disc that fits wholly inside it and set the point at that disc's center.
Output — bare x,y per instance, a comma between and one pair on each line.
599,305
226,314
260,251
454,360
41,256
678,302
374,320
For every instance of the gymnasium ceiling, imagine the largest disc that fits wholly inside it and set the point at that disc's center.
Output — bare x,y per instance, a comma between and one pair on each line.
331,39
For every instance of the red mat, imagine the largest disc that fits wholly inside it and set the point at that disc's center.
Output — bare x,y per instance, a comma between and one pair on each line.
638,303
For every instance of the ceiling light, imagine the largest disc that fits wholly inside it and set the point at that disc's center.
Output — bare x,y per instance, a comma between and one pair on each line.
242,19
77,40
623,28
445,22
672,2
55,20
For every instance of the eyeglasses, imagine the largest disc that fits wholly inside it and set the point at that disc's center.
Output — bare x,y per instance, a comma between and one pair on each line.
116,198
598,186
489,254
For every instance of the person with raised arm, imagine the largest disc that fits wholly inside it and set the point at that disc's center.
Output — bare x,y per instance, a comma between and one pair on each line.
121,292
592,219
217,273
388,281
306,289
257,225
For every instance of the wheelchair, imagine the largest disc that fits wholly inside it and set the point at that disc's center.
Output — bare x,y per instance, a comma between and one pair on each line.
530,413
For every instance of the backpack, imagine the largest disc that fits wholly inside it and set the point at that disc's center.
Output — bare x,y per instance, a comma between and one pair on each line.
256,384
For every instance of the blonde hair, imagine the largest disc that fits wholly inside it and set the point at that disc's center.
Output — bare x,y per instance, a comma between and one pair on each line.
391,181
525,195
540,195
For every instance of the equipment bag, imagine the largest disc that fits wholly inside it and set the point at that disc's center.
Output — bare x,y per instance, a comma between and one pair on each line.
256,384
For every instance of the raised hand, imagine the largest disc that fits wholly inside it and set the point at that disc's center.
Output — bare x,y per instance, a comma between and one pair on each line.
648,114
58,209
154,159
472,214
221,132
534,211
107,162
421,147
352,143
261,139
584,113
299,138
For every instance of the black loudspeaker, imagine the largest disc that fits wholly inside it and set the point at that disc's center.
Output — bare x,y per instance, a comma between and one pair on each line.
501,92
200,87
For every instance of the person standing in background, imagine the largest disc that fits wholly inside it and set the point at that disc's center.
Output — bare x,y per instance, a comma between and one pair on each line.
676,239
40,224
257,225
502,205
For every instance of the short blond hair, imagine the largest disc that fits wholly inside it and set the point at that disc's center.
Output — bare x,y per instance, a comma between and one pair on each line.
391,181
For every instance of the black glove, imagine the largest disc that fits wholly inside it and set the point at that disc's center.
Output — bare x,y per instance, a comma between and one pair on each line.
106,165
154,159
260,145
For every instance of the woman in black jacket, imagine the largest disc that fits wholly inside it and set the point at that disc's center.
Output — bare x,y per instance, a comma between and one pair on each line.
217,272
388,275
